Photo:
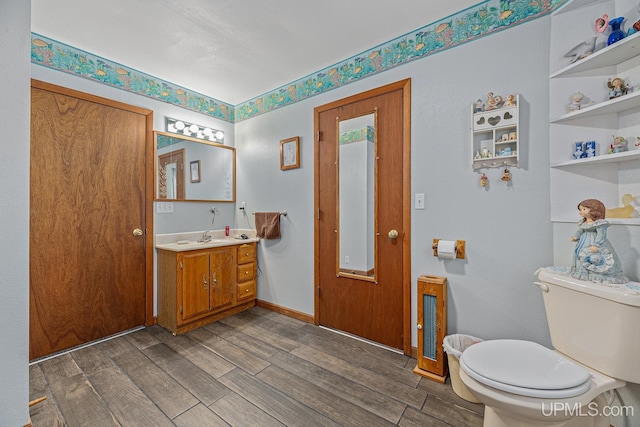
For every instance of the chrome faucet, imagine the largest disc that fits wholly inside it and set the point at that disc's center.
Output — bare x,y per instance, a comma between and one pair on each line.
206,237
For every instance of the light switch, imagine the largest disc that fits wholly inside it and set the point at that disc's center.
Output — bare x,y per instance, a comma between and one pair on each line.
419,202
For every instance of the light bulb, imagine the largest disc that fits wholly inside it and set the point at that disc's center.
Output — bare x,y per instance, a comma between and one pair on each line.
179,125
219,135
193,128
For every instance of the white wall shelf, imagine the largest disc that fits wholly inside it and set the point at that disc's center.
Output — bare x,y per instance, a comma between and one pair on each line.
606,177
496,131
617,53
612,106
605,158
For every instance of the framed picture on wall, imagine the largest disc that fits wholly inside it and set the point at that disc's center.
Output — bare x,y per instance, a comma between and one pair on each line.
290,153
194,168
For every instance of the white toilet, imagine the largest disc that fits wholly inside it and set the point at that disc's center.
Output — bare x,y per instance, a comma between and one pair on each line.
595,330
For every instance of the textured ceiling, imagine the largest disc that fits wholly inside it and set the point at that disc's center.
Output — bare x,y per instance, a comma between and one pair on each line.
232,50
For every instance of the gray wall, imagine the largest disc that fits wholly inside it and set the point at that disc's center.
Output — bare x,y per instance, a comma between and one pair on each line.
15,24
506,228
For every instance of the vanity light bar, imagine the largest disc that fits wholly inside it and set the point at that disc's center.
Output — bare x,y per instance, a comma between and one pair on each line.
194,131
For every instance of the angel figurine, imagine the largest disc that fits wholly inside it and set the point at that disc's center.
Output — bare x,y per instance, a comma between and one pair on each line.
617,86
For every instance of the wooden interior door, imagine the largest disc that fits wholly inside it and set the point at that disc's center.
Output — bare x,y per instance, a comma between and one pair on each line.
89,271
175,157
376,309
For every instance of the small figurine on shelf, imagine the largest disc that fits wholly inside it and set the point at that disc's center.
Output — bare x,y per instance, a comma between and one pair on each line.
579,153
478,106
510,101
582,50
617,86
506,175
485,152
576,102
626,211
594,258
590,148
619,145
602,23
506,151
493,102
477,156
484,181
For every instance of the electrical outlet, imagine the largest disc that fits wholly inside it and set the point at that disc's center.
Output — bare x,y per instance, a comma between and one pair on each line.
346,259
243,205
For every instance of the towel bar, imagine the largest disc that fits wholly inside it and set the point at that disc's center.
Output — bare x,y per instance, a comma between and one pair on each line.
283,213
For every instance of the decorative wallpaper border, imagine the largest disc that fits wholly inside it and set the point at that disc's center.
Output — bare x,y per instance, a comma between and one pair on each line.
65,58
477,21
365,134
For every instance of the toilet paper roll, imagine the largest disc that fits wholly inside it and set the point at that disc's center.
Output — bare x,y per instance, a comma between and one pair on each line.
446,249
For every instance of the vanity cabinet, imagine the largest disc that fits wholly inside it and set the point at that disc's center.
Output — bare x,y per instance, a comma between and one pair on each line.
606,177
200,286
246,272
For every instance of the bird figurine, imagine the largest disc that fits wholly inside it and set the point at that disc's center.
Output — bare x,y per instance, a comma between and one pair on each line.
626,211
582,50
602,23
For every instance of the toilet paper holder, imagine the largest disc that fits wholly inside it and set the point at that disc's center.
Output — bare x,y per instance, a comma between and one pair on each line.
460,248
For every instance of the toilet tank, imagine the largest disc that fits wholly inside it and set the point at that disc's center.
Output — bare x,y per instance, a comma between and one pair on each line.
597,325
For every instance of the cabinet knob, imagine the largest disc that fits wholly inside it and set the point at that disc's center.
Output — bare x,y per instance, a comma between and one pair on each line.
419,326
246,290
204,281
137,232
393,234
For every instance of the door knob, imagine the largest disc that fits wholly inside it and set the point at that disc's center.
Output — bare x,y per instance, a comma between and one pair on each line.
137,232
393,234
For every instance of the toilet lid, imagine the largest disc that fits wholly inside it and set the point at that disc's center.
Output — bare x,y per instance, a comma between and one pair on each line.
525,368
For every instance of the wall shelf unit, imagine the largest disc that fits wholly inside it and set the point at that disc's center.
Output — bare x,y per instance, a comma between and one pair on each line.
606,177
495,137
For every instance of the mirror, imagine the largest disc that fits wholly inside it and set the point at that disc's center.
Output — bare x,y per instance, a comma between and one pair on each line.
356,197
189,169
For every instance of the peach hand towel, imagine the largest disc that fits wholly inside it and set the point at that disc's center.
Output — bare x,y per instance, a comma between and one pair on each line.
268,225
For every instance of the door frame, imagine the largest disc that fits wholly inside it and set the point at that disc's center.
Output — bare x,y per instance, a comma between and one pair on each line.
405,87
149,178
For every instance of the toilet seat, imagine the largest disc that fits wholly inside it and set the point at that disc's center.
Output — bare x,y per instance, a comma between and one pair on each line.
524,368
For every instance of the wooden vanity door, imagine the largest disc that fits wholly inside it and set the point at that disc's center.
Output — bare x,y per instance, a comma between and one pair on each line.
195,284
223,265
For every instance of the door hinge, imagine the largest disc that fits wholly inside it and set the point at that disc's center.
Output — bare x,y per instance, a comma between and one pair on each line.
318,291
318,134
181,310
318,213
181,265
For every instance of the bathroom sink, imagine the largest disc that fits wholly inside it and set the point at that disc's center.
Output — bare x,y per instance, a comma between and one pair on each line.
192,241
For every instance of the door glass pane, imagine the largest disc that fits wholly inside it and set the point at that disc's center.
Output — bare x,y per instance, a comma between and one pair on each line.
356,197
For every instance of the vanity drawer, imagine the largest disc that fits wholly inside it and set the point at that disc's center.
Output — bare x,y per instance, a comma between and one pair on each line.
246,253
246,272
246,290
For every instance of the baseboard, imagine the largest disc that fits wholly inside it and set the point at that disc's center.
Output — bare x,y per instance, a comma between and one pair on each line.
304,317
286,311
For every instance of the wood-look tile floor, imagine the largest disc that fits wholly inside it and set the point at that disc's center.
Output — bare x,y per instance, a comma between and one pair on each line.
257,368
